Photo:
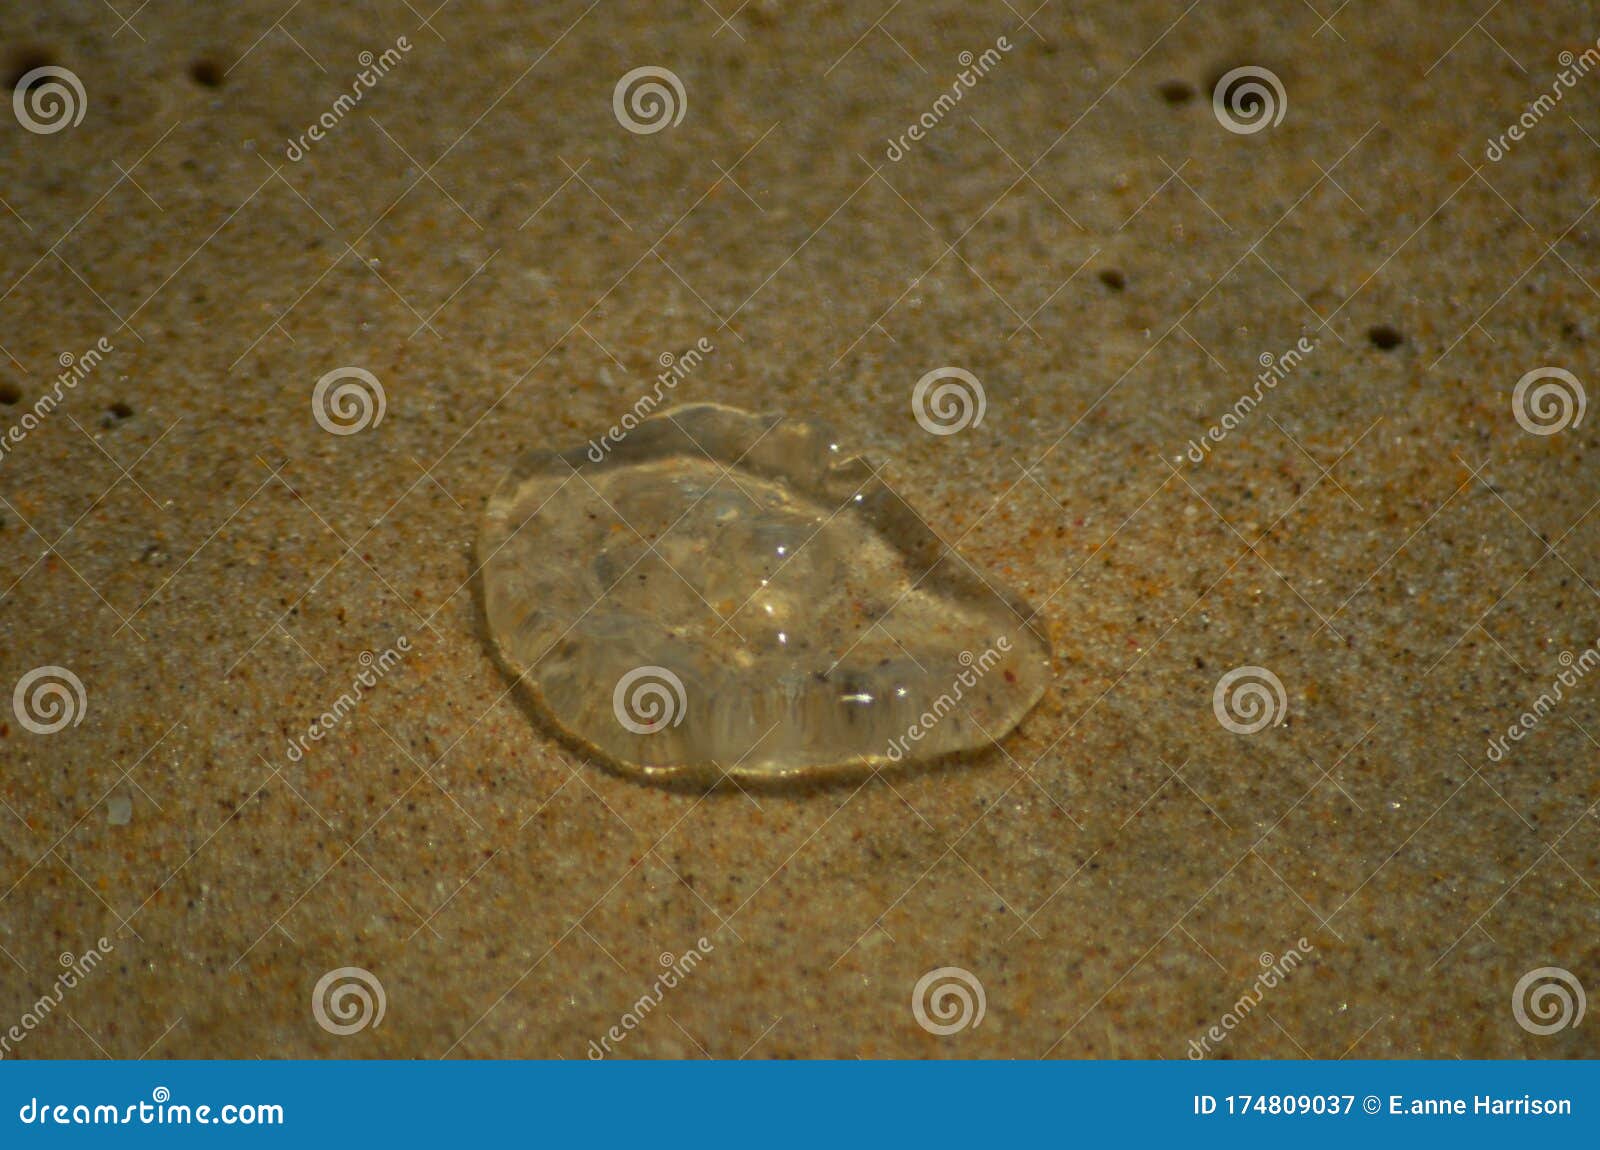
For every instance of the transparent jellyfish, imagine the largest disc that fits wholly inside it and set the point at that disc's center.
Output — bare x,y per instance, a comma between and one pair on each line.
715,593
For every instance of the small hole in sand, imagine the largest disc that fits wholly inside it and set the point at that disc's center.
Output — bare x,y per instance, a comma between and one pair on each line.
1113,279
206,73
24,62
1384,337
9,393
1176,91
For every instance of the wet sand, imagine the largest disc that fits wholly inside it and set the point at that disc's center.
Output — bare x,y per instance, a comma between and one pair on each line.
1081,232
